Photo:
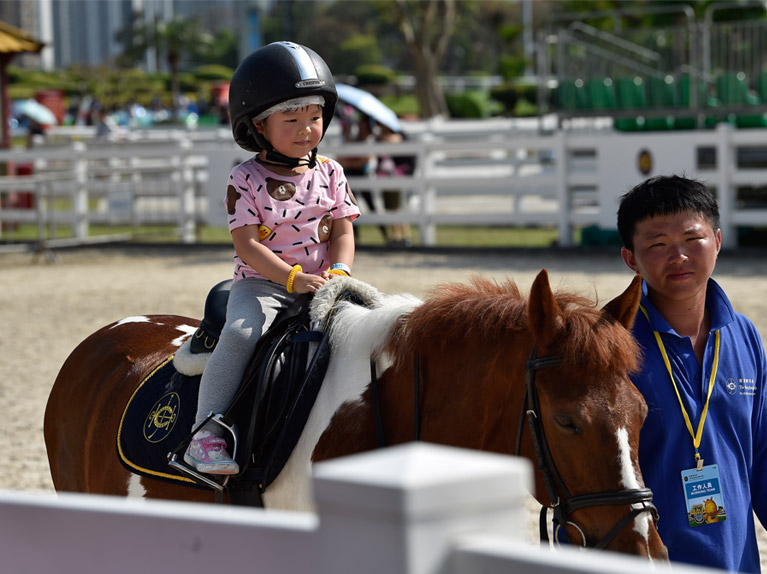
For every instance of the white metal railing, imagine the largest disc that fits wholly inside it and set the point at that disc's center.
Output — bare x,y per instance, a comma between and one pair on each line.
481,173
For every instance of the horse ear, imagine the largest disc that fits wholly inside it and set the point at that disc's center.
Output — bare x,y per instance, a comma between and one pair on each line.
544,316
624,307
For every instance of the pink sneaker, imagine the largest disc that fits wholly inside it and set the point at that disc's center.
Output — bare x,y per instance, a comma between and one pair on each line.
207,454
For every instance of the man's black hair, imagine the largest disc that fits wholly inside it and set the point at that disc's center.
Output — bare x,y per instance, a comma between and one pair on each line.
664,195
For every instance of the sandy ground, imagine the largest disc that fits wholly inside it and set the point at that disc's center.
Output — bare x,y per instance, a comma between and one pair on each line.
48,308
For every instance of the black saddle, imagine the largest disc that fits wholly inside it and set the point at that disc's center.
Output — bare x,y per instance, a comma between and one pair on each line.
207,334
277,393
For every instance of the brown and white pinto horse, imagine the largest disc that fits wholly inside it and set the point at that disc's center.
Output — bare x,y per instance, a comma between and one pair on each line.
471,343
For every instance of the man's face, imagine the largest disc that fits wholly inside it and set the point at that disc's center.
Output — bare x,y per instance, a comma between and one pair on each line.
675,254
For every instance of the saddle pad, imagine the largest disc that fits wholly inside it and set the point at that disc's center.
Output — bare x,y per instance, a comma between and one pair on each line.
158,416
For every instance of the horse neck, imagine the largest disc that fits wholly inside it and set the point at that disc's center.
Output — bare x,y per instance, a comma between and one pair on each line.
470,399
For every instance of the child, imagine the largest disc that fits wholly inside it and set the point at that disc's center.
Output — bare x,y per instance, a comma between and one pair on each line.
290,217
703,446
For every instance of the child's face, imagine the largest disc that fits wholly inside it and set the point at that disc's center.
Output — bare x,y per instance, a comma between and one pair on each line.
675,254
294,133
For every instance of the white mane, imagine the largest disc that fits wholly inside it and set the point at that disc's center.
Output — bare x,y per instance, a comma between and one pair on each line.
356,334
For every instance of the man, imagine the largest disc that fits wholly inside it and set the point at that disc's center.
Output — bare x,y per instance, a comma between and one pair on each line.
703,447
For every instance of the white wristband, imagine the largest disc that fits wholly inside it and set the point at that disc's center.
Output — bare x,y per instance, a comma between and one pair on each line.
341,267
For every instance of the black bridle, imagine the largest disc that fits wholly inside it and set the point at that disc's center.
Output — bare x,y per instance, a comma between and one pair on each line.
562,502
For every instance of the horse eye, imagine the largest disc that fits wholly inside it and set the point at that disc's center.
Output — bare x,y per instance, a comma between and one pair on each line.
567,423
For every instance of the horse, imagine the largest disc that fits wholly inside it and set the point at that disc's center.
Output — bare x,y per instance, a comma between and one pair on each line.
474,365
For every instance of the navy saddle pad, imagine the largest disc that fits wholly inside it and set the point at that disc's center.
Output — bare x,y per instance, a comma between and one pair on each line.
158,416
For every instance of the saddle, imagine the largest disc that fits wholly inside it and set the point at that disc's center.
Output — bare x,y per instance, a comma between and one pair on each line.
269,411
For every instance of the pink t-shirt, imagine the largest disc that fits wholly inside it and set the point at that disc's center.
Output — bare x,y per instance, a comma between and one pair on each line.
294,214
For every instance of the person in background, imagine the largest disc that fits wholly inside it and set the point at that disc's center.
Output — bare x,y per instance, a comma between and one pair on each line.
359,131
104,124
394,166
35,132
290,215
703,446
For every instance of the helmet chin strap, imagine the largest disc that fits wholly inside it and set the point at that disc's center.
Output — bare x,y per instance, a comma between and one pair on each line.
277,159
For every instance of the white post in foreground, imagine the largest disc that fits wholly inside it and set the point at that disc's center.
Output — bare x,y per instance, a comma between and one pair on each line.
400,509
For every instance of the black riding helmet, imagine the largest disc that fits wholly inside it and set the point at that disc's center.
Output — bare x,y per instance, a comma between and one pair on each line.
273,74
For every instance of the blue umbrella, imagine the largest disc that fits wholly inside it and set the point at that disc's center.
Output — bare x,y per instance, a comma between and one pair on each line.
36,111
369,105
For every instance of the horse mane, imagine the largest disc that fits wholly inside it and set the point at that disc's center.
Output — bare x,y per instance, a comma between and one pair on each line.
496,311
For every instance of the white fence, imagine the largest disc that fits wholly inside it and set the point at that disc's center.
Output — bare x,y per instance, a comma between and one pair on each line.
469,173
412,509
79,185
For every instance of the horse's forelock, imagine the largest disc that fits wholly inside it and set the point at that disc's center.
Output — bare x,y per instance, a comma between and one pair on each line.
590,336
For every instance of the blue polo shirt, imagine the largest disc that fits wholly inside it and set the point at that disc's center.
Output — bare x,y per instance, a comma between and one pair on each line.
734,436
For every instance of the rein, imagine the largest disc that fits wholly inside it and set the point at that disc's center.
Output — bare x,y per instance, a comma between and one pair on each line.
376,402
563,503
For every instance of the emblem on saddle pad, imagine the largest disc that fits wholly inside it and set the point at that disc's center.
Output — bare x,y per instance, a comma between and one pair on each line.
162,418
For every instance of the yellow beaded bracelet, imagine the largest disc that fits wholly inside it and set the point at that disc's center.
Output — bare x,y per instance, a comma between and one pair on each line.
340,269
292,276
339,272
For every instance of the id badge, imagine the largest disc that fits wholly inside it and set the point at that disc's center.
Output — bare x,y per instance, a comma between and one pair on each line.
703,495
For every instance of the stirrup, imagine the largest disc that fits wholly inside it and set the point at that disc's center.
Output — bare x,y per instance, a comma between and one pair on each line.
180,465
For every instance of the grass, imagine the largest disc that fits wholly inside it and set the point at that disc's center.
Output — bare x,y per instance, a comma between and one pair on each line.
457,236
367,235
447,236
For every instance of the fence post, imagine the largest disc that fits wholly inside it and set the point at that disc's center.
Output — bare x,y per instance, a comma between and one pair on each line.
80,192
399,509
561,165
726,161
427,194
187,223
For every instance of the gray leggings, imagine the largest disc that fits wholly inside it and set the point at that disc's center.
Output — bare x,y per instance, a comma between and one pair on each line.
253,305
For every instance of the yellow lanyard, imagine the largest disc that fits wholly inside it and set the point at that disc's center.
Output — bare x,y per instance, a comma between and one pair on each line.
696,436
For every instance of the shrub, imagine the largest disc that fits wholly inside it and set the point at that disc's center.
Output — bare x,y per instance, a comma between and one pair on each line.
214,72
471,104
374,75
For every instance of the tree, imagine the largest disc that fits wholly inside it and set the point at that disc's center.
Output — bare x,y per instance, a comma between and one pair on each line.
172,40
175,38
427,26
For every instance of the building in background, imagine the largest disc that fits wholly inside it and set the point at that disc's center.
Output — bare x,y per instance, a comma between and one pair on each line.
85,31
13,42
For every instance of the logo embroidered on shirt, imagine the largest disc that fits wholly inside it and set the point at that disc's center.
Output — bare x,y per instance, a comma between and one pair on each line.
747,386
742,386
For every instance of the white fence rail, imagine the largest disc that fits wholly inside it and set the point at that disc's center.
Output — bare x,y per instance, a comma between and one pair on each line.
412,509
483,173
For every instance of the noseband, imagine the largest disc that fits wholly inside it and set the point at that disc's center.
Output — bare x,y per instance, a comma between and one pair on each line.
563,503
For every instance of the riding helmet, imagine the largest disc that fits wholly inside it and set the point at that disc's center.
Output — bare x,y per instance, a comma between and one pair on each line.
273,74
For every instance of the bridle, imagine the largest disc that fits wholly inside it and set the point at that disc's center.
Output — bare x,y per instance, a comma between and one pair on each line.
562,502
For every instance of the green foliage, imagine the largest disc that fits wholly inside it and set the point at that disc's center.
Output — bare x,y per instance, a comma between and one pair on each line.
525,108
404,105
356,51
114,87
459,236
25,83
374,75
471,104
188,82
511,66
223,51
507,95
516,99
213,72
